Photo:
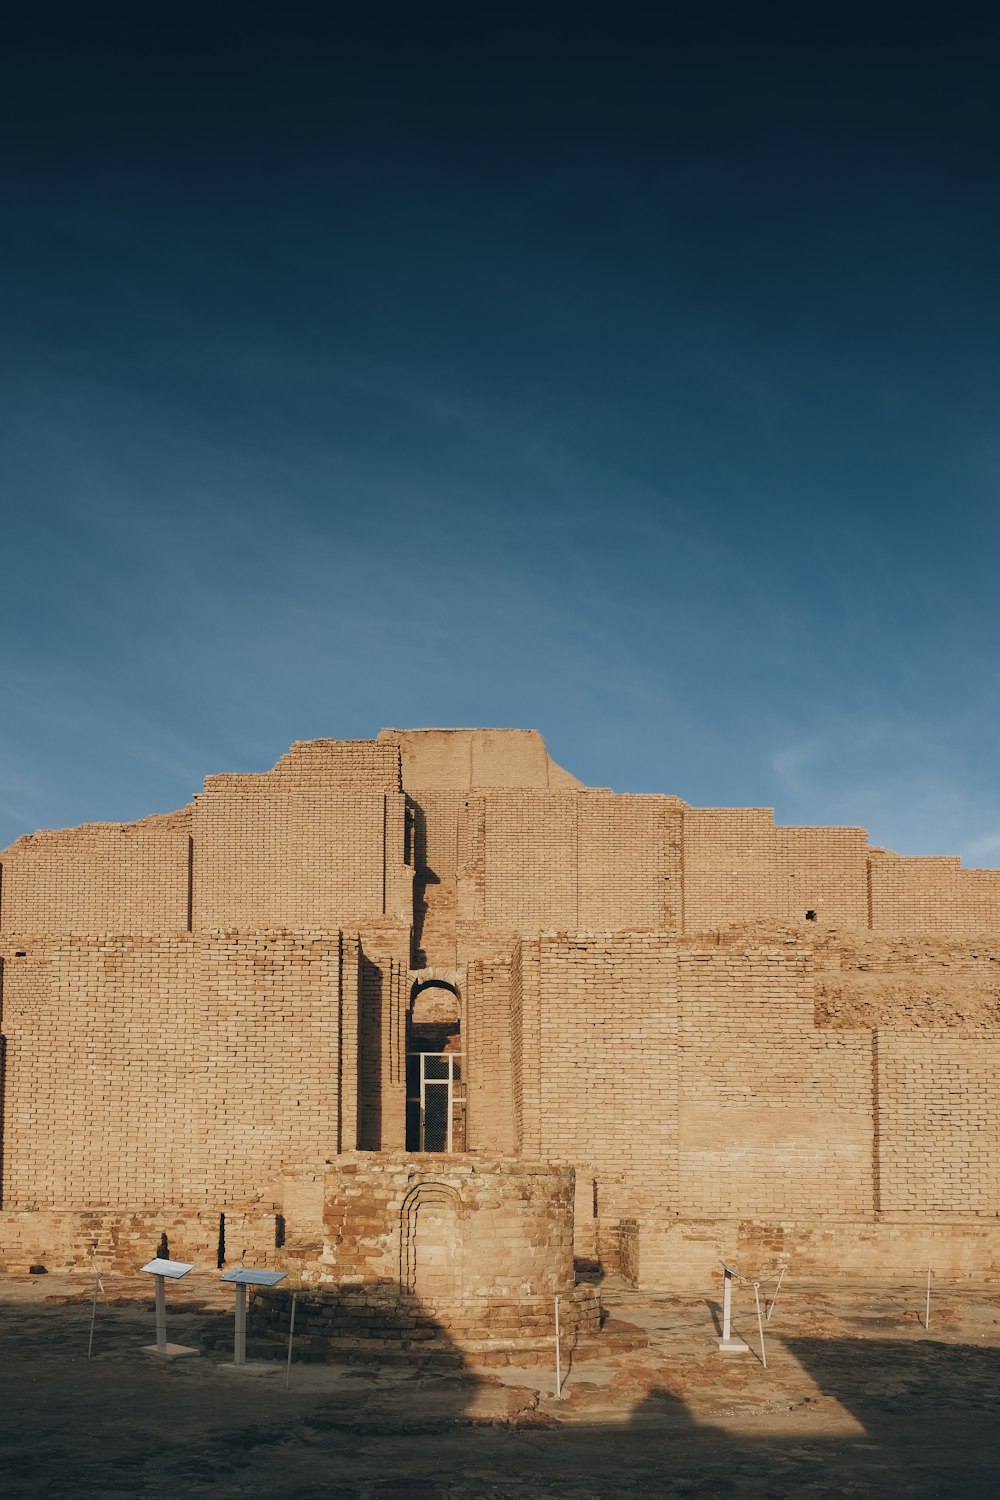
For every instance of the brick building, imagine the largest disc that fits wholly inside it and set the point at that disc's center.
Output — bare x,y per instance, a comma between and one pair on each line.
742,1037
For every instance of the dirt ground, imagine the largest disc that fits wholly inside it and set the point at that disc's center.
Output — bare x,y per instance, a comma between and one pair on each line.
856,1399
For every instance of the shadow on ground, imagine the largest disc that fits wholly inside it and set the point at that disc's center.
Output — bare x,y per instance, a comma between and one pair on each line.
831,1416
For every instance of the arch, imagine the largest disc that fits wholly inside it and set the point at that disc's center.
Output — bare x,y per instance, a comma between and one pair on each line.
432,1241
434,1002
433,984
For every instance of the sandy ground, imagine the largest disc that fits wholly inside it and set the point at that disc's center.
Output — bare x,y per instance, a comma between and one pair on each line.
857,1399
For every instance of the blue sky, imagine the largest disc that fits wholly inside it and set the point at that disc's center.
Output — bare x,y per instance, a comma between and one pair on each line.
615,372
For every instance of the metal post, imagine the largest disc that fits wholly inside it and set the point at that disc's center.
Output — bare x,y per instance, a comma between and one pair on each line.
727,1343
161,1316
558,1355
240,1340
760,1325
451,1074
93,1310
160,1268
291,1333
727,1306
927,1309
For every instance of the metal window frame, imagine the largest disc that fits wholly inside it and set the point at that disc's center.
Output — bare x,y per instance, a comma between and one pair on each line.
443,1083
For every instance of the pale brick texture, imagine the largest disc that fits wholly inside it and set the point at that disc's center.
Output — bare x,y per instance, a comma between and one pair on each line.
716,1021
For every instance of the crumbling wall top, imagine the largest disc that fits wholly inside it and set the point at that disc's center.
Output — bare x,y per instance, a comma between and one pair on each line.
460,759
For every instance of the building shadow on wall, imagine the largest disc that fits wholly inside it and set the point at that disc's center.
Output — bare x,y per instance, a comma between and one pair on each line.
370,1056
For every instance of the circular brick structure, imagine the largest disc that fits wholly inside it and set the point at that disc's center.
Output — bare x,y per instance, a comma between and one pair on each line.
438,1254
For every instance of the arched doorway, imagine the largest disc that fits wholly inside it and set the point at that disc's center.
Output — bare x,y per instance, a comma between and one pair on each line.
435,1082
432,1241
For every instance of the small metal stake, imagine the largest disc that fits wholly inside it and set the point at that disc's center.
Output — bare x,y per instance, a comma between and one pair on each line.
770,1310
760,1326
291,1332
240,1339
93,1311
927,1309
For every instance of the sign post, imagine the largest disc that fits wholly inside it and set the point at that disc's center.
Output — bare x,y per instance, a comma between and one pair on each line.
241,1279
164,1270
728,1344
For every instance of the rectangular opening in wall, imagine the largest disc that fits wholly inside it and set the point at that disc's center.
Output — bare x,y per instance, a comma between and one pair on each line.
435,1104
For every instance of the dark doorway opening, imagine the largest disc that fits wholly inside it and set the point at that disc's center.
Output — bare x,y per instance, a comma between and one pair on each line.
435,1077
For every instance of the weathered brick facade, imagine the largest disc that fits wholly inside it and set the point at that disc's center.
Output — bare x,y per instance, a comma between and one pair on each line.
739,1035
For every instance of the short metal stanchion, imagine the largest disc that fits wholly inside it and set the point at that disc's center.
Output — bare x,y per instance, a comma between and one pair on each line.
241,1279
98,1290
781,1277
291,1335
728,1344
760,1325
165,1270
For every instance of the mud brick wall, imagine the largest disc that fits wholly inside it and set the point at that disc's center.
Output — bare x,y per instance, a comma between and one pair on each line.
685,1256
530,860
599,1053
775,1116
931,1008
277,857
569,860
103,877
385,990
874,980
174,1069
437,815
122,1242
318,842
525,1019
738,867
324,763
488,1057
932,894
822,870
616,1014
279,1058
938,1122
629,862
436,819
729,873
99,1086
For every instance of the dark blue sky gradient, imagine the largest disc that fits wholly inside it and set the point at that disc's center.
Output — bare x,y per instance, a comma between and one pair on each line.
623,372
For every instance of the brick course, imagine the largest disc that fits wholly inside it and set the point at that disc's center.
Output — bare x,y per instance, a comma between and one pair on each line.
714,1020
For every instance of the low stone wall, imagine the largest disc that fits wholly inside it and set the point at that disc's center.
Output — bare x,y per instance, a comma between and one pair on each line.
681,1256
122,1242
684,1256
